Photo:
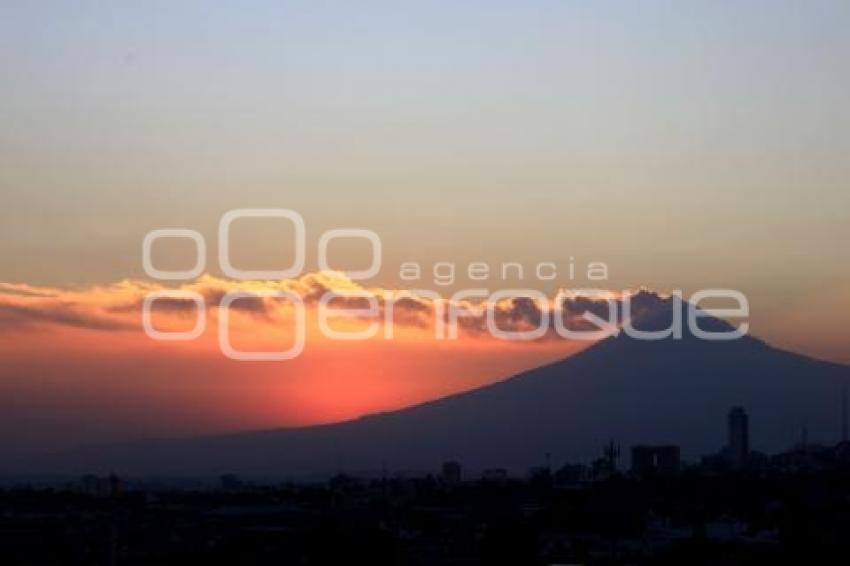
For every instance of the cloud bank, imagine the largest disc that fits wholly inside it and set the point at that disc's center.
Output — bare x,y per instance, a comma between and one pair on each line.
118,307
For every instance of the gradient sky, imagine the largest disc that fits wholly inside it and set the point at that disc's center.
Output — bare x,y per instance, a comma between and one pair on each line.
686,144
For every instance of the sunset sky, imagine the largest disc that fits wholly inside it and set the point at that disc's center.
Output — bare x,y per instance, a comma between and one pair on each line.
686,145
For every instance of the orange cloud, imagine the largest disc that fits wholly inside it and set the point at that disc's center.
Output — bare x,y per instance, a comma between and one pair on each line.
77,367
119,306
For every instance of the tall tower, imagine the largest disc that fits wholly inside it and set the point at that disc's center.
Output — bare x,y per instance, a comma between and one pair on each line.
739,437
611,454
844,415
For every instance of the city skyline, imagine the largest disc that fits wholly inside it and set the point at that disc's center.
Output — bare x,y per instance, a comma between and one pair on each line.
483,282
681,146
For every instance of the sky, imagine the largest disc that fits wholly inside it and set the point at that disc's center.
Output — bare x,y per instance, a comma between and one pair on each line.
686,145
78,369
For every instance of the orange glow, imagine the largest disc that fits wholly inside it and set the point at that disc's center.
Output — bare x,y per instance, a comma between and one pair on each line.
80,361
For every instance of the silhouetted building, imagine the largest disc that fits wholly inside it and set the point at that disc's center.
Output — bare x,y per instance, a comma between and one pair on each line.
495,474
572,474
540,476
739,438
451,473
606,466
101,486
230,482
114,485
655,461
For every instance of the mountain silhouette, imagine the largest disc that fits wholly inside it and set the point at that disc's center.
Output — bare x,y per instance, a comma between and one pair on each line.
632,391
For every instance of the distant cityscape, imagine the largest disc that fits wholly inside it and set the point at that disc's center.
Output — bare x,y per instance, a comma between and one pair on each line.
735,457
646,462
735,506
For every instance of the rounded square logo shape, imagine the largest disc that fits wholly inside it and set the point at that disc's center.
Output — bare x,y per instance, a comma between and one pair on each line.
267,274
224,327
147,307
535,334
368,235
178,275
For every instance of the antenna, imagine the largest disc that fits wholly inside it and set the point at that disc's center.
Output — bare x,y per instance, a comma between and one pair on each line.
611,453
844,414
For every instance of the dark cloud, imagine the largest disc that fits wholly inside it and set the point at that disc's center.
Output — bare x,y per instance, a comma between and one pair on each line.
16,316
25,291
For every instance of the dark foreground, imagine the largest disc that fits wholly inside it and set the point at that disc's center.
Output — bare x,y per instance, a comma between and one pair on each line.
692,519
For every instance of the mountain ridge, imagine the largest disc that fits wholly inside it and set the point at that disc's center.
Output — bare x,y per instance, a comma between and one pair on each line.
632,391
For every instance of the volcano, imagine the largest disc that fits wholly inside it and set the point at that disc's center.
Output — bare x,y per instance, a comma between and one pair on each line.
623,389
